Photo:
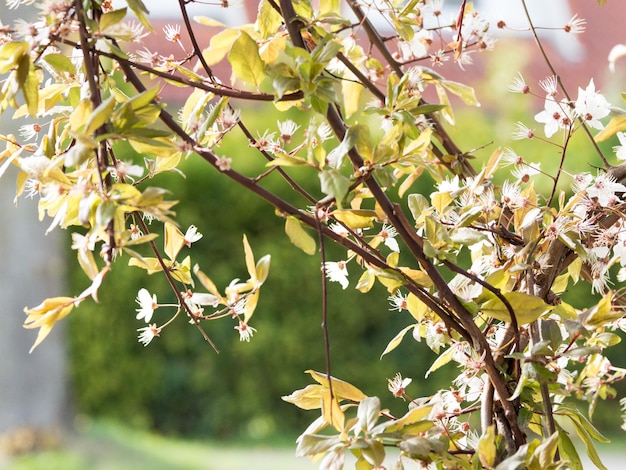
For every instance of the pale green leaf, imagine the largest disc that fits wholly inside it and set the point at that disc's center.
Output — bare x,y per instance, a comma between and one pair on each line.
263,268
465,92
268,20
246,61
334,184
111,18
60,63
368,413
487,447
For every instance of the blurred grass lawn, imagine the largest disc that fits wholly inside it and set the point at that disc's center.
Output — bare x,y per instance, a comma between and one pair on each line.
106,446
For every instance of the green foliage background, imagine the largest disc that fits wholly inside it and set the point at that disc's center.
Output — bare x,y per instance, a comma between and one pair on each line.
179,385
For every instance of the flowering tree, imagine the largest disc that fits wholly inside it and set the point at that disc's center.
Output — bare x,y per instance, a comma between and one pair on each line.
479,267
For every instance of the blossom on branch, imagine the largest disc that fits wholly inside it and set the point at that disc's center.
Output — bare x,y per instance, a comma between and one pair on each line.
148,333
147,304
337,271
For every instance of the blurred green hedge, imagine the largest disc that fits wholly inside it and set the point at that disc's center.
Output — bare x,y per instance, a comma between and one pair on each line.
179,385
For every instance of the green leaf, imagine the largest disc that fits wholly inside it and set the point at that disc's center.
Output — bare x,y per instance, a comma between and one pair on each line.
112,18
419,207
11,54
29,82
543,455
527,308
140,11
487,447
268,20
246,61
568,449
60,63
466,93
99,116
334,184
299,237
395,342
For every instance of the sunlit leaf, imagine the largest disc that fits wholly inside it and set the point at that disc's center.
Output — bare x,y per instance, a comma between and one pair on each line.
300,237
340,388
527,308
395,342
246,61
355,218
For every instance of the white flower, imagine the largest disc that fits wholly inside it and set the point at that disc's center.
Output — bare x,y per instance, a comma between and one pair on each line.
147,333
398,302
83,242
620,150
223,163
522,132
192,235
398,385
591,106
550,85
29,131
147,304
172,32
388,234
337,272
245,331
287,129
555,116
518,85
523,172
604,189
575,25
324,132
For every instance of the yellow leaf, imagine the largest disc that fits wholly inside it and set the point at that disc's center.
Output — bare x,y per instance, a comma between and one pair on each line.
356,218
299,237
441,361
46,314
220,45
351,91
615,125
206,21
527,308
341,389
208,284
249,258
174,241
487,447
308,398
395,342
331,410
250,306
416,307
413,416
